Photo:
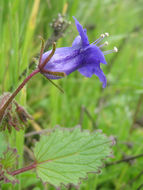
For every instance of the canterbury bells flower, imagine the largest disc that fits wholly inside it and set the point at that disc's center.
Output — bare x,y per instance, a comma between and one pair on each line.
82,56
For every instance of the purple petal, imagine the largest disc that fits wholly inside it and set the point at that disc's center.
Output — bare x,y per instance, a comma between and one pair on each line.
86,71
89,69
93,54
82,33
66,59
77,42
99,73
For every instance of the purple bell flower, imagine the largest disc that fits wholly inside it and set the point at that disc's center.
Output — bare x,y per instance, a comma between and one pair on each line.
82,56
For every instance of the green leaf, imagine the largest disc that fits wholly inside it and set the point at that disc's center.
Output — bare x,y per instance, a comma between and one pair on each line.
9,158
7,162
65,156
3,144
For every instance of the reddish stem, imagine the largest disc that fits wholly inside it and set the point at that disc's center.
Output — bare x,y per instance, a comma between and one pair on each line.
2,110
21,170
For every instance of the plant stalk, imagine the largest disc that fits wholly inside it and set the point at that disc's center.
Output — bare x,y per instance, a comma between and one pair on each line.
2,110
21,170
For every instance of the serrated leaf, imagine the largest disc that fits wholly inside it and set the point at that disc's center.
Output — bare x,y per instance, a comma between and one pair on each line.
9,158
7,163
65,156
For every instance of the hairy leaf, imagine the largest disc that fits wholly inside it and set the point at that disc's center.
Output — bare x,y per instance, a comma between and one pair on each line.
65,156
7,163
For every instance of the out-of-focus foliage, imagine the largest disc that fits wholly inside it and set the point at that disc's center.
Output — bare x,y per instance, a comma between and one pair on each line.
3,144
116,110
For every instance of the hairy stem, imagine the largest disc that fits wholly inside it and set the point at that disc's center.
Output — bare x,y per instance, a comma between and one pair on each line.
21,170
125,160
2,110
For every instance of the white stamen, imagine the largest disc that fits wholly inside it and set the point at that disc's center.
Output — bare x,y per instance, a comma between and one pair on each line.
110,51
99,39
102,35
105,44
106,34
115,49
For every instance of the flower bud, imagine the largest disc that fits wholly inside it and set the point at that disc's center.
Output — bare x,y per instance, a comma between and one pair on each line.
22,113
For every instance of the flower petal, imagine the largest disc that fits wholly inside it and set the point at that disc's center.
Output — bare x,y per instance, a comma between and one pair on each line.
77,42
65,59
99,73
90,69
93,54
82,33
86,71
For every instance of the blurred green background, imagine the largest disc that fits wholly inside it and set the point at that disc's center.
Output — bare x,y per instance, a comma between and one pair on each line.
117,110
